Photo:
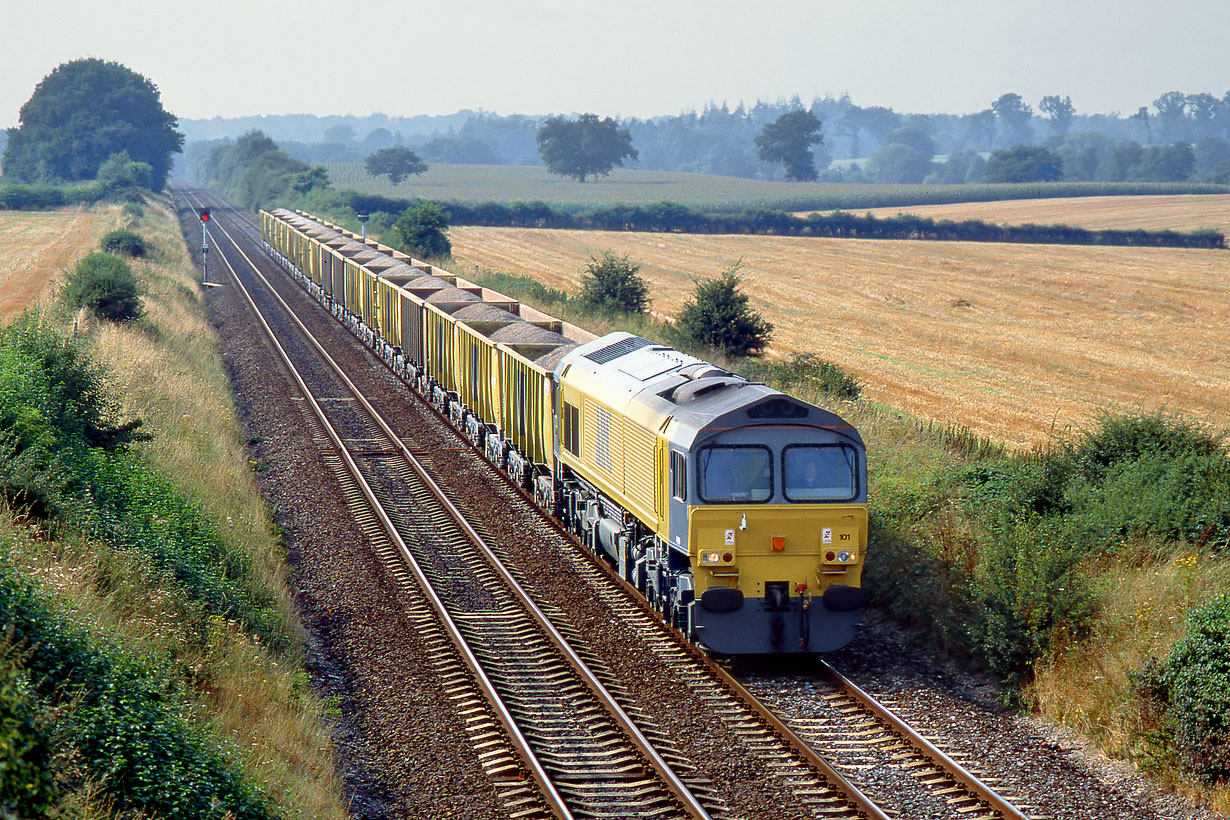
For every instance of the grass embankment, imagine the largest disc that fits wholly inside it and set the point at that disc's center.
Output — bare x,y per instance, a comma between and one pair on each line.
1067,571
154,654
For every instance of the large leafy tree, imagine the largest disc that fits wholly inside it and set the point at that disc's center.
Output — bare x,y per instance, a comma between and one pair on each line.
396,163
788,140
584,146
84,112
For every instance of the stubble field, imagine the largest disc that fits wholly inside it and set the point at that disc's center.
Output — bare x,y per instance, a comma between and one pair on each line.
1017,342
36,246
1173,212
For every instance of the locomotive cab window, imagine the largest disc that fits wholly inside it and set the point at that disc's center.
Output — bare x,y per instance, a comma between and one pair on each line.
820,473
679,477
572,429
730,475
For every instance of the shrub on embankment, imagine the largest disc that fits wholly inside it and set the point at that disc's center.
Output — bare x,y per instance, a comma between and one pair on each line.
151,636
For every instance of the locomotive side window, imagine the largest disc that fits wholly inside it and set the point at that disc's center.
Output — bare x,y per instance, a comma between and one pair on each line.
679,477
572,429
735,474
825,473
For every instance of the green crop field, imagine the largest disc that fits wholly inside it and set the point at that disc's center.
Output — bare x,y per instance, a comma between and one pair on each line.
526,183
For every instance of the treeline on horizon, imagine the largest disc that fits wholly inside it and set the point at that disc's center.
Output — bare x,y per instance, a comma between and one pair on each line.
254,172
1179,138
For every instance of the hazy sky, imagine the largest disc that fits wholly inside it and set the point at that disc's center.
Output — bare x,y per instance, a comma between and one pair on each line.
623,57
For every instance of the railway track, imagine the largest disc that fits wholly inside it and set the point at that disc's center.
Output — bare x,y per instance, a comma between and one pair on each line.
546,718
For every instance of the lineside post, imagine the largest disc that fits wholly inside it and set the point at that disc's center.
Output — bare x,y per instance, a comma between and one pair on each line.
204,245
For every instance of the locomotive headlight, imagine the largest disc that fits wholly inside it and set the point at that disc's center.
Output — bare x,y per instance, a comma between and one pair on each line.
845,557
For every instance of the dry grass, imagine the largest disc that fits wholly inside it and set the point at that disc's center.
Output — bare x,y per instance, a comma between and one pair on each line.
1178,212
1014,342
36,247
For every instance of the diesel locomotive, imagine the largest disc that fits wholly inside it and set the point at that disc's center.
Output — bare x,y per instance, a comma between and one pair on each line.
739,512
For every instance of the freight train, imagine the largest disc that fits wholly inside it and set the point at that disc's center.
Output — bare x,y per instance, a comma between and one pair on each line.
737,511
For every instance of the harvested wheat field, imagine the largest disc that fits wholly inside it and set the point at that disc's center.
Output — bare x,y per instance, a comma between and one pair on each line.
1014,341
36,247
1176,213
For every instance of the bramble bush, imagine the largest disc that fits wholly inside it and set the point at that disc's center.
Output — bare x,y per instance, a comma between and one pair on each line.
120,716
64,459
124,242
27,787
1193,688
106,285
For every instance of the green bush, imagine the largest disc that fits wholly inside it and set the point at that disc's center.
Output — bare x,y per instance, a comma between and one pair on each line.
1194,686
53,406
803,371
1027,588
27,786
1135,476
718,317
106,285
125,242
132,506
121,717
423,231
132,210
613,283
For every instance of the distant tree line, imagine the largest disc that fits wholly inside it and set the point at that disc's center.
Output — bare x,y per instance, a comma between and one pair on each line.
855,143
255,172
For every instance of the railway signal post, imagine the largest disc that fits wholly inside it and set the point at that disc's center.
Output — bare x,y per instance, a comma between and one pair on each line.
204,246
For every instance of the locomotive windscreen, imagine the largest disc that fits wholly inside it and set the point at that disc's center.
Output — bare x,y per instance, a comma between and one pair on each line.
735,474
820,473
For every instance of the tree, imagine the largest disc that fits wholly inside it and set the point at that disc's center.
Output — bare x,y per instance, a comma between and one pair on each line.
718,316
614,283
1014,115
84,112
1172,115
423,230
916,137
897,162
584,146
788,140
1059,111
1024,163
396,163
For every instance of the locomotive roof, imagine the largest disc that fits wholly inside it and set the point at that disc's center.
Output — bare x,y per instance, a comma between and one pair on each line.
652,381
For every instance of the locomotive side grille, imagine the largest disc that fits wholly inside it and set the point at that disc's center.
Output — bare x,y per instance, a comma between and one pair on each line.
602,439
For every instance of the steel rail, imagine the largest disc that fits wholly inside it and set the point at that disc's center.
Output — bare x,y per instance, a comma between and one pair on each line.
995,801
556,803
674,783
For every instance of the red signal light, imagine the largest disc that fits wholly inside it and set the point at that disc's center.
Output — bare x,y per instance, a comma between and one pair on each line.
204,214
